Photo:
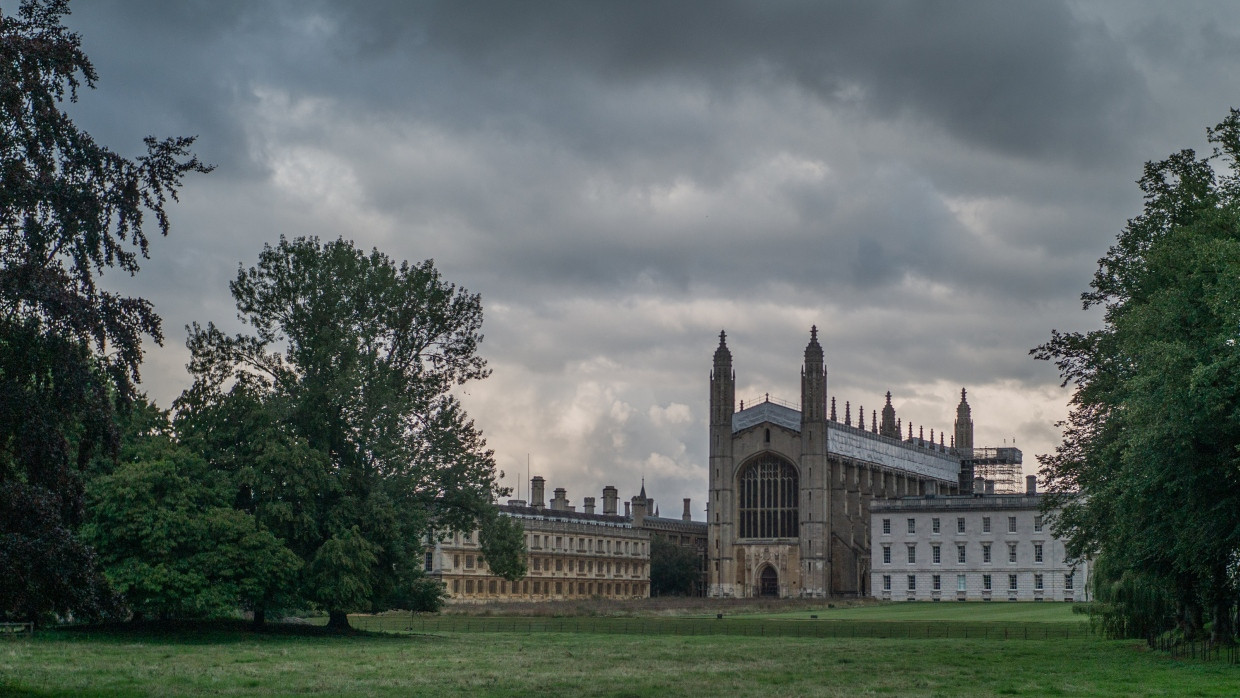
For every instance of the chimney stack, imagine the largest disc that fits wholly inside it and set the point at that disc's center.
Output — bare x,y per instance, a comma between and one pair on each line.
1031,484
686,516
627,512
979,485
560,502
587,504
990,487
610,497
536,492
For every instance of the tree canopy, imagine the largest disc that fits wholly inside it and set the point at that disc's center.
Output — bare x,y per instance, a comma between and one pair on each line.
361,450
1148,474
70,208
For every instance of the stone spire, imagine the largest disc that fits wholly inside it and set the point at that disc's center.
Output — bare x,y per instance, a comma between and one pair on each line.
847,414
889,427
964,423
874,421
722,385
813,381
833,419
861,417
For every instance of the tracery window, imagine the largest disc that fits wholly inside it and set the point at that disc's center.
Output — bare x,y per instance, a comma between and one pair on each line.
767,490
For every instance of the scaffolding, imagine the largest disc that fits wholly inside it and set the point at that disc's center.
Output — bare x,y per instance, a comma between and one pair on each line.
1002,465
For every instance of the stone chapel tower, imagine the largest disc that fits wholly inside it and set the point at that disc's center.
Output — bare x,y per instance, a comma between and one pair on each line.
720,530
815,481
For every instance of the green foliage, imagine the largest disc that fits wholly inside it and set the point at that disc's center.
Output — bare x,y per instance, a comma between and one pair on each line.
1148,475
674,569
502,539
171,544
69,351
334,417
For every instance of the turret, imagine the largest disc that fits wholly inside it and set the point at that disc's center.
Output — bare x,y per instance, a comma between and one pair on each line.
889,428
722,385
964,424
813,382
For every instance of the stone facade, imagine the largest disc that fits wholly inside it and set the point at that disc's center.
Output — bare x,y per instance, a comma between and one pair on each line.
791,488
570,554
979,547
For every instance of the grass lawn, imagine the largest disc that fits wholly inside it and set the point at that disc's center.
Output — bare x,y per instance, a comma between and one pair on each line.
227,663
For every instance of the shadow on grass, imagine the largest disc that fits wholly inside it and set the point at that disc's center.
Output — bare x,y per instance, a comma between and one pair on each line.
215,631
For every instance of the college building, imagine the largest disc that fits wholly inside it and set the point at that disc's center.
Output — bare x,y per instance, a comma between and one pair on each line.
983,546
792,486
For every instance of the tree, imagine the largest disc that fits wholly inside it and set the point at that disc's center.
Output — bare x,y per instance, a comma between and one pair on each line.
69,351
674,570
171,544
350,367
1148,474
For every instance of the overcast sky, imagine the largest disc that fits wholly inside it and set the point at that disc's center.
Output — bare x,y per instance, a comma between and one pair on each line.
930,183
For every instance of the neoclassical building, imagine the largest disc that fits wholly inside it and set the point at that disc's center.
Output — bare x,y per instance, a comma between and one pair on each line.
790,487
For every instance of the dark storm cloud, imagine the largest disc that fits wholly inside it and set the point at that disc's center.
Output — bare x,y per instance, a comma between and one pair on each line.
930,183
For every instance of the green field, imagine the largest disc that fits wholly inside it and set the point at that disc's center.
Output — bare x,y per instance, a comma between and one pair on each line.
649,656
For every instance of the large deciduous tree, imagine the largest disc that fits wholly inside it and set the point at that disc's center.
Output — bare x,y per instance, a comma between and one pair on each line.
1148,474
363,451
69,351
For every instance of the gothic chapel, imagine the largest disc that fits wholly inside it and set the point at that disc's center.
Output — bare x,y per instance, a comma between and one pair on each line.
790,489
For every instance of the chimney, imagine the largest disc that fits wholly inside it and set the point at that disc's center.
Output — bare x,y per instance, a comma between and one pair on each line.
609,500
979,485
587,504
990,487
536,492
627,513
1031,484
516,502
686,516
560,501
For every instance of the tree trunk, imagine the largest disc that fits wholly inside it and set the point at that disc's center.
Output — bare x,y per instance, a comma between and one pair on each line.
260,617
337,621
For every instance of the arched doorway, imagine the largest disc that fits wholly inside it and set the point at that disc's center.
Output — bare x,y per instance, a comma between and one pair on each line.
768,582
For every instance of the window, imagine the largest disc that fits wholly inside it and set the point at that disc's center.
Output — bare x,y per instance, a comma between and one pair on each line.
1011,582
469,586
934,525
469,562
1037,582
1011,524
1037,523
492,586
985,524
1067,580
456,561
960,583
886,554
456,586
430,561
559,565
559,587
767,495
886,582
986,553
1011,552
581,566
887,526
935,583
912,554
537,564
912,525
985,582
1037,552
559,542
960,554
935,555
960,525
537,587
912,582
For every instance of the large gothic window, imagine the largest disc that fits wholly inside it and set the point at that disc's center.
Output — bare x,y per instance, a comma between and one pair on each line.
767,505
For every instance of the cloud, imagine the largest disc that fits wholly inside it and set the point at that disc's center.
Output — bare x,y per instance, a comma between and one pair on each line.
929,184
